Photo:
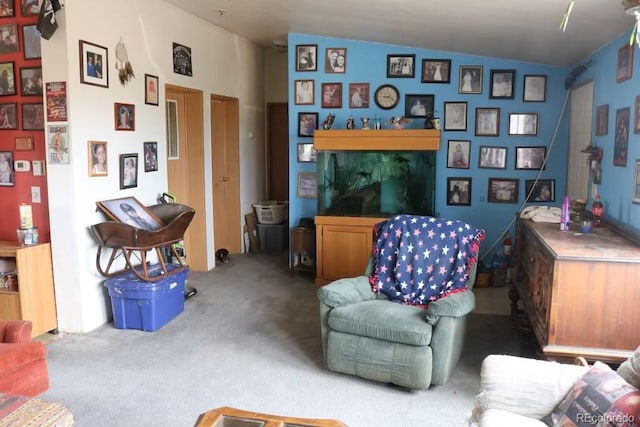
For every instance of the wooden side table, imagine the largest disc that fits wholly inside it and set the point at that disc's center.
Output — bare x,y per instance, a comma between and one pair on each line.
231,417
303,249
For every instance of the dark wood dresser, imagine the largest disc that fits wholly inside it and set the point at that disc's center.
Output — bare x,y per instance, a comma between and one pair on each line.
580,292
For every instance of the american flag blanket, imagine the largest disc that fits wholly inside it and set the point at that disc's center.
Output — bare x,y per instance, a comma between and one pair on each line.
419,259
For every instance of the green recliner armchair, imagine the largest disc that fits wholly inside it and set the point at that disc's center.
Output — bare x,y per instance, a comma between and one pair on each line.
367,335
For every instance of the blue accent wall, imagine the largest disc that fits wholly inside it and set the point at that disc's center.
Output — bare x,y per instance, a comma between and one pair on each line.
367,63
617,186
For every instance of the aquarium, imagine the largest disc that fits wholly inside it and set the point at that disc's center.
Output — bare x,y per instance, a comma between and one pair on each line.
376,183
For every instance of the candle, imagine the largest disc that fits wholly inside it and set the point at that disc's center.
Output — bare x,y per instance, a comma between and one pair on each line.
26,217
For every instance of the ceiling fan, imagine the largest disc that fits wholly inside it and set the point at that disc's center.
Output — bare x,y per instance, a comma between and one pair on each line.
631,7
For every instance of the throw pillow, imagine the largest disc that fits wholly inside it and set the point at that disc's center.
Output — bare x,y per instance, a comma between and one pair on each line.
601,397
630,369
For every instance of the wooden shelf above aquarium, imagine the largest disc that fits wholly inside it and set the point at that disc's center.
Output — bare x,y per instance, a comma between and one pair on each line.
377,140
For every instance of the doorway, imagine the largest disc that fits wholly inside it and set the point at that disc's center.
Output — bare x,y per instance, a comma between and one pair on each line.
225,152
579,138
278,151
185,165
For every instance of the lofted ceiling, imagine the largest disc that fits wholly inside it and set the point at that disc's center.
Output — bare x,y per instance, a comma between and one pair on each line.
522,30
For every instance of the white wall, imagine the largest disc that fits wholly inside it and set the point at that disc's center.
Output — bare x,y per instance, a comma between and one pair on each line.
223,64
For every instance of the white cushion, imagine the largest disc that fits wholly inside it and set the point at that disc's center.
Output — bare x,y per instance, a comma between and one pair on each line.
528,387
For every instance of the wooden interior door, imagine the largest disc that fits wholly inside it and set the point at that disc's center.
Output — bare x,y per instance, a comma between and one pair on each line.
226,173
185,166
278,151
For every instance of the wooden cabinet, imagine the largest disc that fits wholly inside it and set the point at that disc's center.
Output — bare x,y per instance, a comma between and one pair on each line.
34,300
343,246
377,140
579,291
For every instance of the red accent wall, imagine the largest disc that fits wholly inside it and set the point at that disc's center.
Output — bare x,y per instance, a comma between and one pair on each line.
12,196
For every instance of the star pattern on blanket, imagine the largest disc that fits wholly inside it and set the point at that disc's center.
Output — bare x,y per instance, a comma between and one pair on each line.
419,259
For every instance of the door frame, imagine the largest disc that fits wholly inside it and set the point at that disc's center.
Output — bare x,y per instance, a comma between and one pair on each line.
196,234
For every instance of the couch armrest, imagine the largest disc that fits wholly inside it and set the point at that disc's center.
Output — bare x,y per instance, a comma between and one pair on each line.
527,387
15,331
346,291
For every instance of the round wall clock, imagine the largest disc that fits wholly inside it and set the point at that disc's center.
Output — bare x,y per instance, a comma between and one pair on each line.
387,96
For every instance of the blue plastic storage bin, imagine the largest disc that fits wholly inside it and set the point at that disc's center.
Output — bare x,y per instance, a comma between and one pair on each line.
147,306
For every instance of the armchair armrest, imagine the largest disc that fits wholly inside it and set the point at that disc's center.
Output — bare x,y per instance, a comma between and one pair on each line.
346,291
527,387
455,305
15,331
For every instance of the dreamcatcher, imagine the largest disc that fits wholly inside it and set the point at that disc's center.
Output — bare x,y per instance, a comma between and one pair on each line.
124,67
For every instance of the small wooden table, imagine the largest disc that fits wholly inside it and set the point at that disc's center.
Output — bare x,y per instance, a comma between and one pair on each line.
303,244
231,417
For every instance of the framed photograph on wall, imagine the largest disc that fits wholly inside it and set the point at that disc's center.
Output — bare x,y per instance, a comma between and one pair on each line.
304,92
436,71
30,7
331,95
97,154
128,170
151,89
503,190
487,121
530,157
492,157
7,78
31,81
636,118
307,123
636,183
9,34
470,79
306,57
535,88
401,66
32,48
459,191
543,190
124,116
502,84
6,169
455,116
523,124
24,143
418,105
335,60
621,140
307,185
94,64
150,150
129,210
602,120
359,95
9,116
624,70
32,116
7,10
306,153
182,59
458,154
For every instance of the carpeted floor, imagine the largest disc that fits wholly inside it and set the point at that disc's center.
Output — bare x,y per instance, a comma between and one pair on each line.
250,339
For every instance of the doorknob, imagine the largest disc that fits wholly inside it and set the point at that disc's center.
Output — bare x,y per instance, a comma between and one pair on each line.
226,178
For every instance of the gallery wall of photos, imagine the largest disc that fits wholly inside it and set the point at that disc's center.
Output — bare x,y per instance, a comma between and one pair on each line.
496,119
22,137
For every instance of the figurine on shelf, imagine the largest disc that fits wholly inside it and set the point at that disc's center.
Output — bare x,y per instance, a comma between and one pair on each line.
328,122
377,125
351,124
365,123
398,123
428,121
